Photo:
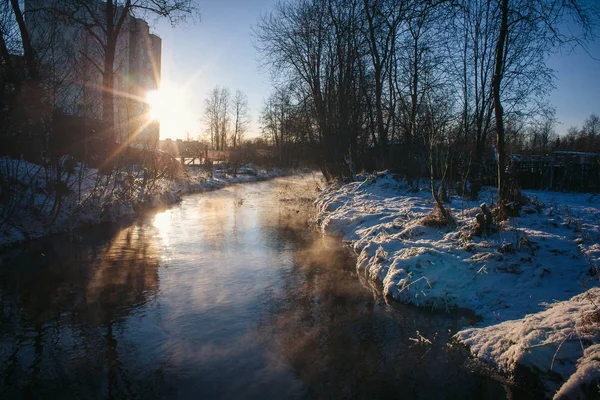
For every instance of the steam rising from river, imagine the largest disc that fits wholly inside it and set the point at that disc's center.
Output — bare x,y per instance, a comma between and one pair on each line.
227,295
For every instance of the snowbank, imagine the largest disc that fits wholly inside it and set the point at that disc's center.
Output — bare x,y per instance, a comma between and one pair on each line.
561,345
550,253
90,197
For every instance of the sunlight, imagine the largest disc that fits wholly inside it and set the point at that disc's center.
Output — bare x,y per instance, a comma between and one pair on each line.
171,108
157,107
162,222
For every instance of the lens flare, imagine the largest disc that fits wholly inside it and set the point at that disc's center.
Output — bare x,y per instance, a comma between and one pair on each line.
156,105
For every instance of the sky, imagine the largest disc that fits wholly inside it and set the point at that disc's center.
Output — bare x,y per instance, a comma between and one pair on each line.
577,93
217,50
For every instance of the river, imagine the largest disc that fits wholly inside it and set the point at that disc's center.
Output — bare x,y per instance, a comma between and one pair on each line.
228,295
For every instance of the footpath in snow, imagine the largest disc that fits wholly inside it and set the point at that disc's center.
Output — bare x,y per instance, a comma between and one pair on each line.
90,197
534,281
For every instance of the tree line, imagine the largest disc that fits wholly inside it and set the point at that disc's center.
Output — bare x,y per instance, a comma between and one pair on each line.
227,118
418,86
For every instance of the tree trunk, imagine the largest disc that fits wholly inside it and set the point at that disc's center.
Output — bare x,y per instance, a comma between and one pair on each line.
498,111
30,95
27,48
11,74
108,78
108,111
382,132
378,61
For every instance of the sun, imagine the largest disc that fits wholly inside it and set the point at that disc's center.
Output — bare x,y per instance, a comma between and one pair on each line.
171,108
156,105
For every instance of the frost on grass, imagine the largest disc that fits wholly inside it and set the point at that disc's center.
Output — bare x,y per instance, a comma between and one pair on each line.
560,344
538,257
549,253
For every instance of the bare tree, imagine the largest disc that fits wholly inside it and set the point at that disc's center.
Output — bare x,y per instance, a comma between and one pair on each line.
315,46
420,73
216,116
27,112
542,135
527,27
275,120
225,120
471,53
104,22
591,133
435,123
365,70
383,19
585,139
28,52
241,118
288,127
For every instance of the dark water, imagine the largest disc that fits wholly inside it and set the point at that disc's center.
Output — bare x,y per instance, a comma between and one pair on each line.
228,295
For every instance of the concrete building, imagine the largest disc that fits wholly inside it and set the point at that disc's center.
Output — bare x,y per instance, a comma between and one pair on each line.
138,74
73,56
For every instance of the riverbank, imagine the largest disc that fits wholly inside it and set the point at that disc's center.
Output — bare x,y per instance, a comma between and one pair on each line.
91,197
536,263
226,292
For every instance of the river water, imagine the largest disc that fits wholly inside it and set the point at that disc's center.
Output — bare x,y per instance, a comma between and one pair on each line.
228,295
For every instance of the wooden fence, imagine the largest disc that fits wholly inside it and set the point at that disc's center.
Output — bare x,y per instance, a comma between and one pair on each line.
563,171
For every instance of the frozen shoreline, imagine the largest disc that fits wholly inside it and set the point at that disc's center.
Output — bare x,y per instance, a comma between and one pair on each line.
93,203
534,264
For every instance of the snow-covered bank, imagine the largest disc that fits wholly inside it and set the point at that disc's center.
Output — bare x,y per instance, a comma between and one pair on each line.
548,254
90,197
560,345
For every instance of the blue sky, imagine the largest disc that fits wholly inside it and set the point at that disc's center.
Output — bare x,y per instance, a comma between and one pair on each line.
577,93
218,50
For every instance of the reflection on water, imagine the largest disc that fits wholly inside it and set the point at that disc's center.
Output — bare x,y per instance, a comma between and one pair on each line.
228,295
63,307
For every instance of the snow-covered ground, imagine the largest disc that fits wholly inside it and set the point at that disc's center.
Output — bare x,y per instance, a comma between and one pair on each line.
524,274
91,197
561,345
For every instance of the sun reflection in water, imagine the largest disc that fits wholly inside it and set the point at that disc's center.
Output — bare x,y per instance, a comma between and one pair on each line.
162,222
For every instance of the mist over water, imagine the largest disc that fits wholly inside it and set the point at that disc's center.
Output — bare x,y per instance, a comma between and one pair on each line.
228,295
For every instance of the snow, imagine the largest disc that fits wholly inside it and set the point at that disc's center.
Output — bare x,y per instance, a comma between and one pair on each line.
94,197
562,340
580,384
549,254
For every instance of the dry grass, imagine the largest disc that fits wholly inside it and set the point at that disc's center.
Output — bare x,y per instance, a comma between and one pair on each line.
435,219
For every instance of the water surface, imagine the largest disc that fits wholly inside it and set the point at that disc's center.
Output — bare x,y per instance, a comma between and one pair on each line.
227,295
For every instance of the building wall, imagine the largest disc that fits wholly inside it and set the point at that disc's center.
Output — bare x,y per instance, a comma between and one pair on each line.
69,54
